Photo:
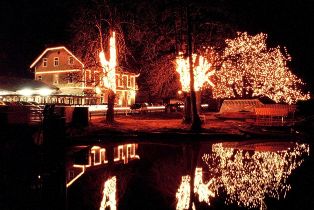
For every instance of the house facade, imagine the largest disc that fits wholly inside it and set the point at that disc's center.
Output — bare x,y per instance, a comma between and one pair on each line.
58,66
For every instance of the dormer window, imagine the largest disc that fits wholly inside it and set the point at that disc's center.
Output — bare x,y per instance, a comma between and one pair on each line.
71,60
56,61
45,62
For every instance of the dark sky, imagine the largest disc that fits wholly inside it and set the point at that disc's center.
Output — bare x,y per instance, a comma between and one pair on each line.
28,26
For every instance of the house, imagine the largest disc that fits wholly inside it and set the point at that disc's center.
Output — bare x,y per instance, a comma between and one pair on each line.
58,66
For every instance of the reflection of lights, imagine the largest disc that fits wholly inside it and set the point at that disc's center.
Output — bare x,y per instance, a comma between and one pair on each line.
203,190
25,92
183,194
109,194
77,176
45,91
109,67
249,176
97,156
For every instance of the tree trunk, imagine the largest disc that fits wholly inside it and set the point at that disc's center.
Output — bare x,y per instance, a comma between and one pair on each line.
187,109
198,101
110,110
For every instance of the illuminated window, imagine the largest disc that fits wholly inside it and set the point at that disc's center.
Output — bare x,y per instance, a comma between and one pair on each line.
129,82
120,84
132,82
56,61
97,78
45,62
39,77
117,80
71,60
88,76
125,80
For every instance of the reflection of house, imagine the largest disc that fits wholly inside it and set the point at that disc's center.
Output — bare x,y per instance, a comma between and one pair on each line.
60,67
125,153
84,157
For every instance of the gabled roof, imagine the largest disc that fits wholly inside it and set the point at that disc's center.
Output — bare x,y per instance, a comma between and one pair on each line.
55,48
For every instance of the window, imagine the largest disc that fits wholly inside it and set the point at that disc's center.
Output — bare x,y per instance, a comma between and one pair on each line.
97,78
87,77
56,61
70,78
132,82
120,84
71,60
125,80
45,62
39,77
117,80
56,79
129,82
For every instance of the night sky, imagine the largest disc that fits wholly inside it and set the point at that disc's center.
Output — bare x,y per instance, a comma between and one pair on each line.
27,27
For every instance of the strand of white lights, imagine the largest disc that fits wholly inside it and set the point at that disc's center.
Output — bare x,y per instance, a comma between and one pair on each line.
249,176
249,65
201,71
109,66
109,194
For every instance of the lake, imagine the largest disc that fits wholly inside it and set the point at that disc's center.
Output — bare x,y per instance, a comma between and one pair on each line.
153,172
216,174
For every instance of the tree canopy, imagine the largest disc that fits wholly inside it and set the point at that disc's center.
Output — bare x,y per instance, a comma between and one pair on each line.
249,68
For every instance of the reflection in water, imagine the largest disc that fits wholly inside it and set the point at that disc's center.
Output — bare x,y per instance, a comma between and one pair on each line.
249,176
109,194
183,194
238,173
89,157
203,190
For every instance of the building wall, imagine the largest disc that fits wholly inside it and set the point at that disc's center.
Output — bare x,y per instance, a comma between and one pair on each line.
63,61
67,76
69,73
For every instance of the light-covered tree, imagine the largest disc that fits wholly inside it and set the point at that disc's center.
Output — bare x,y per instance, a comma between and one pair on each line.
100,32
250,69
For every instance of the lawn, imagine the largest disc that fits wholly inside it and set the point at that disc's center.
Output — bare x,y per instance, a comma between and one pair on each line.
161,122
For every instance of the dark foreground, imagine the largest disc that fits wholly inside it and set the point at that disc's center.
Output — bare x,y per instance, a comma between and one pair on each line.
34,163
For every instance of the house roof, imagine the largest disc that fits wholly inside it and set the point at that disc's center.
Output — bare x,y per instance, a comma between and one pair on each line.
55,48
13,84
